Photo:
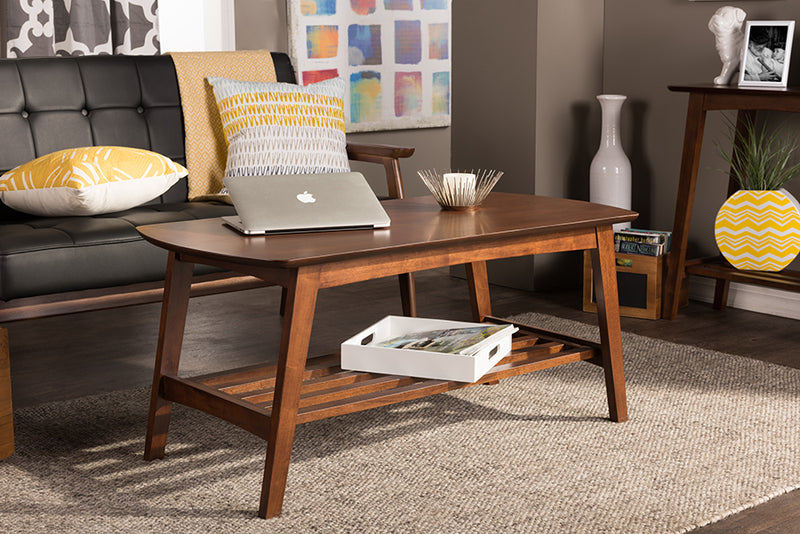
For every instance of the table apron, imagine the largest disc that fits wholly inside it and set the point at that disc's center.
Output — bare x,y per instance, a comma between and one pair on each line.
750,102
382,264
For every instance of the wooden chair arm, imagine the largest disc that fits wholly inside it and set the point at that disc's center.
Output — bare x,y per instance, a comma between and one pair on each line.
388,156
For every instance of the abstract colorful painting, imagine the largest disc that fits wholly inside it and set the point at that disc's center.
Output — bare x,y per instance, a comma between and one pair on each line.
395,56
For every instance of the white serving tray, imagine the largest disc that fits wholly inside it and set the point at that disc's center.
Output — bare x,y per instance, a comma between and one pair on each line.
358,356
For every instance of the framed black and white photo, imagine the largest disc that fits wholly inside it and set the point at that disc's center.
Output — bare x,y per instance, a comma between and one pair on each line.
765,55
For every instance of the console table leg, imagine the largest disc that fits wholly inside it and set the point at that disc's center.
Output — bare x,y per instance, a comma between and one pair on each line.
690,162
479,296
721,289
300,304
605,286
177,285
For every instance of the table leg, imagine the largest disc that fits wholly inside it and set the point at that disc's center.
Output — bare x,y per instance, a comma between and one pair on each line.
721,289
301,299
6,411
690,161
177,285
605,287
743,118
479,296
408,294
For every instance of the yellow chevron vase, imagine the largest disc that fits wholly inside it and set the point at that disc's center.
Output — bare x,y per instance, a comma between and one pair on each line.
759,230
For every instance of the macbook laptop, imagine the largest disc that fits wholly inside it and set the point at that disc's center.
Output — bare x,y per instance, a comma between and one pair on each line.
303,203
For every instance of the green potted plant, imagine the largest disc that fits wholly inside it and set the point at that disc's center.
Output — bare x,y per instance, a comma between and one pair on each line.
758,227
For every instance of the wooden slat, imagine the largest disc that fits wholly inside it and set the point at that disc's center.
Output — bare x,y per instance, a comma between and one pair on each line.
259,372
535,363
525,340
330,380
373,400
349,391
547,334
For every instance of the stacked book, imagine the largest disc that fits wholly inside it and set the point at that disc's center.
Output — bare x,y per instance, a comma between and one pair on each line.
647,242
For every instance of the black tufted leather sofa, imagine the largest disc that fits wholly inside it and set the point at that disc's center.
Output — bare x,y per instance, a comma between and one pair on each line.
63,264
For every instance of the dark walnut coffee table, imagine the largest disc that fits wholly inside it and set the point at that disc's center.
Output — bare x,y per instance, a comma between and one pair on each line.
269,400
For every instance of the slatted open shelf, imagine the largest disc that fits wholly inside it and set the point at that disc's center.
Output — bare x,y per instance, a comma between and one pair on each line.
719,269
244,396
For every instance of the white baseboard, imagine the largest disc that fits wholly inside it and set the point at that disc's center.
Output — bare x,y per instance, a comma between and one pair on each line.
749,297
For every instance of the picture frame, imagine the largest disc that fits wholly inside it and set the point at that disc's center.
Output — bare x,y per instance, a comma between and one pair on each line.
766,53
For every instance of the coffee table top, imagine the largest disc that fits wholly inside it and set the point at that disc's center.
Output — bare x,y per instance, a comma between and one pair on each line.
416,223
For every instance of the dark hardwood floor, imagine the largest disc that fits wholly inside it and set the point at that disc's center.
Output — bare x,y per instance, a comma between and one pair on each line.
72,356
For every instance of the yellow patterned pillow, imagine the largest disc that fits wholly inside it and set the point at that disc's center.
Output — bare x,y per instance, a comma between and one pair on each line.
88,181
282,128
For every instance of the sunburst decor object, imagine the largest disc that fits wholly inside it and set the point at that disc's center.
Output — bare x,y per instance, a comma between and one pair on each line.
460,190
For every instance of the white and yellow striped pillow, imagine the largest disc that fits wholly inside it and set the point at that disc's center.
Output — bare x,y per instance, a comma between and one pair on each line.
282,128
88,181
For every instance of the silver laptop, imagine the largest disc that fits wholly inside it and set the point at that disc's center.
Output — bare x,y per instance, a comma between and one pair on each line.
303,203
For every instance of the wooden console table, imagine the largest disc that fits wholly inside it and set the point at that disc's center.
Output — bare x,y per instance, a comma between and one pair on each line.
269,400
704,98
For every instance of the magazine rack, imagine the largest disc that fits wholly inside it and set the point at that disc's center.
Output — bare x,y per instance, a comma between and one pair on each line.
639,284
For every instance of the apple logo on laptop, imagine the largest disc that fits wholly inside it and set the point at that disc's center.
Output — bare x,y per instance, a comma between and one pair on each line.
306,198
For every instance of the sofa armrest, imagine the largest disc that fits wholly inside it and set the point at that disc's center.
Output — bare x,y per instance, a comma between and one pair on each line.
387,155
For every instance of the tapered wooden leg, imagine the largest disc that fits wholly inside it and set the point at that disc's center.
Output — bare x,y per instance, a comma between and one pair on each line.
690,162
170,338
282,309
408,294
721,289
605,286
301,299
479,297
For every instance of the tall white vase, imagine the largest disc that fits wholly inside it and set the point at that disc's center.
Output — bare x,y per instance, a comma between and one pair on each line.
610,172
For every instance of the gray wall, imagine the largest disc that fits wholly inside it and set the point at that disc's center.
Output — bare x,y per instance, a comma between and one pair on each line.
524,91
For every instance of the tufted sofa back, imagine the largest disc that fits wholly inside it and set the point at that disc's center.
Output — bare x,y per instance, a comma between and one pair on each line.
50,104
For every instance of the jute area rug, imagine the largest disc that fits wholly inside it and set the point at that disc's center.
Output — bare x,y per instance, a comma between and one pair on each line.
709,434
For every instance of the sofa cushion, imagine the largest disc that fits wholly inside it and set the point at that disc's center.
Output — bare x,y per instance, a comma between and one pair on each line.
88,181
41,256
279,128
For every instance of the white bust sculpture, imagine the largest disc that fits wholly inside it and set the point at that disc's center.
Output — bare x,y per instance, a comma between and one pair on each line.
727,26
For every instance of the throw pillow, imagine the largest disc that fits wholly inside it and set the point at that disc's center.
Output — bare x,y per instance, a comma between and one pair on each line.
282,128
206,146
88,181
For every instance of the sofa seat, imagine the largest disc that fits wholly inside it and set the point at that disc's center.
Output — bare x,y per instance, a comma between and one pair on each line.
45,255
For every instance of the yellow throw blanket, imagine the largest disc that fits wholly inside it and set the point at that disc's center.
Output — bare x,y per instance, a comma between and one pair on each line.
206,147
